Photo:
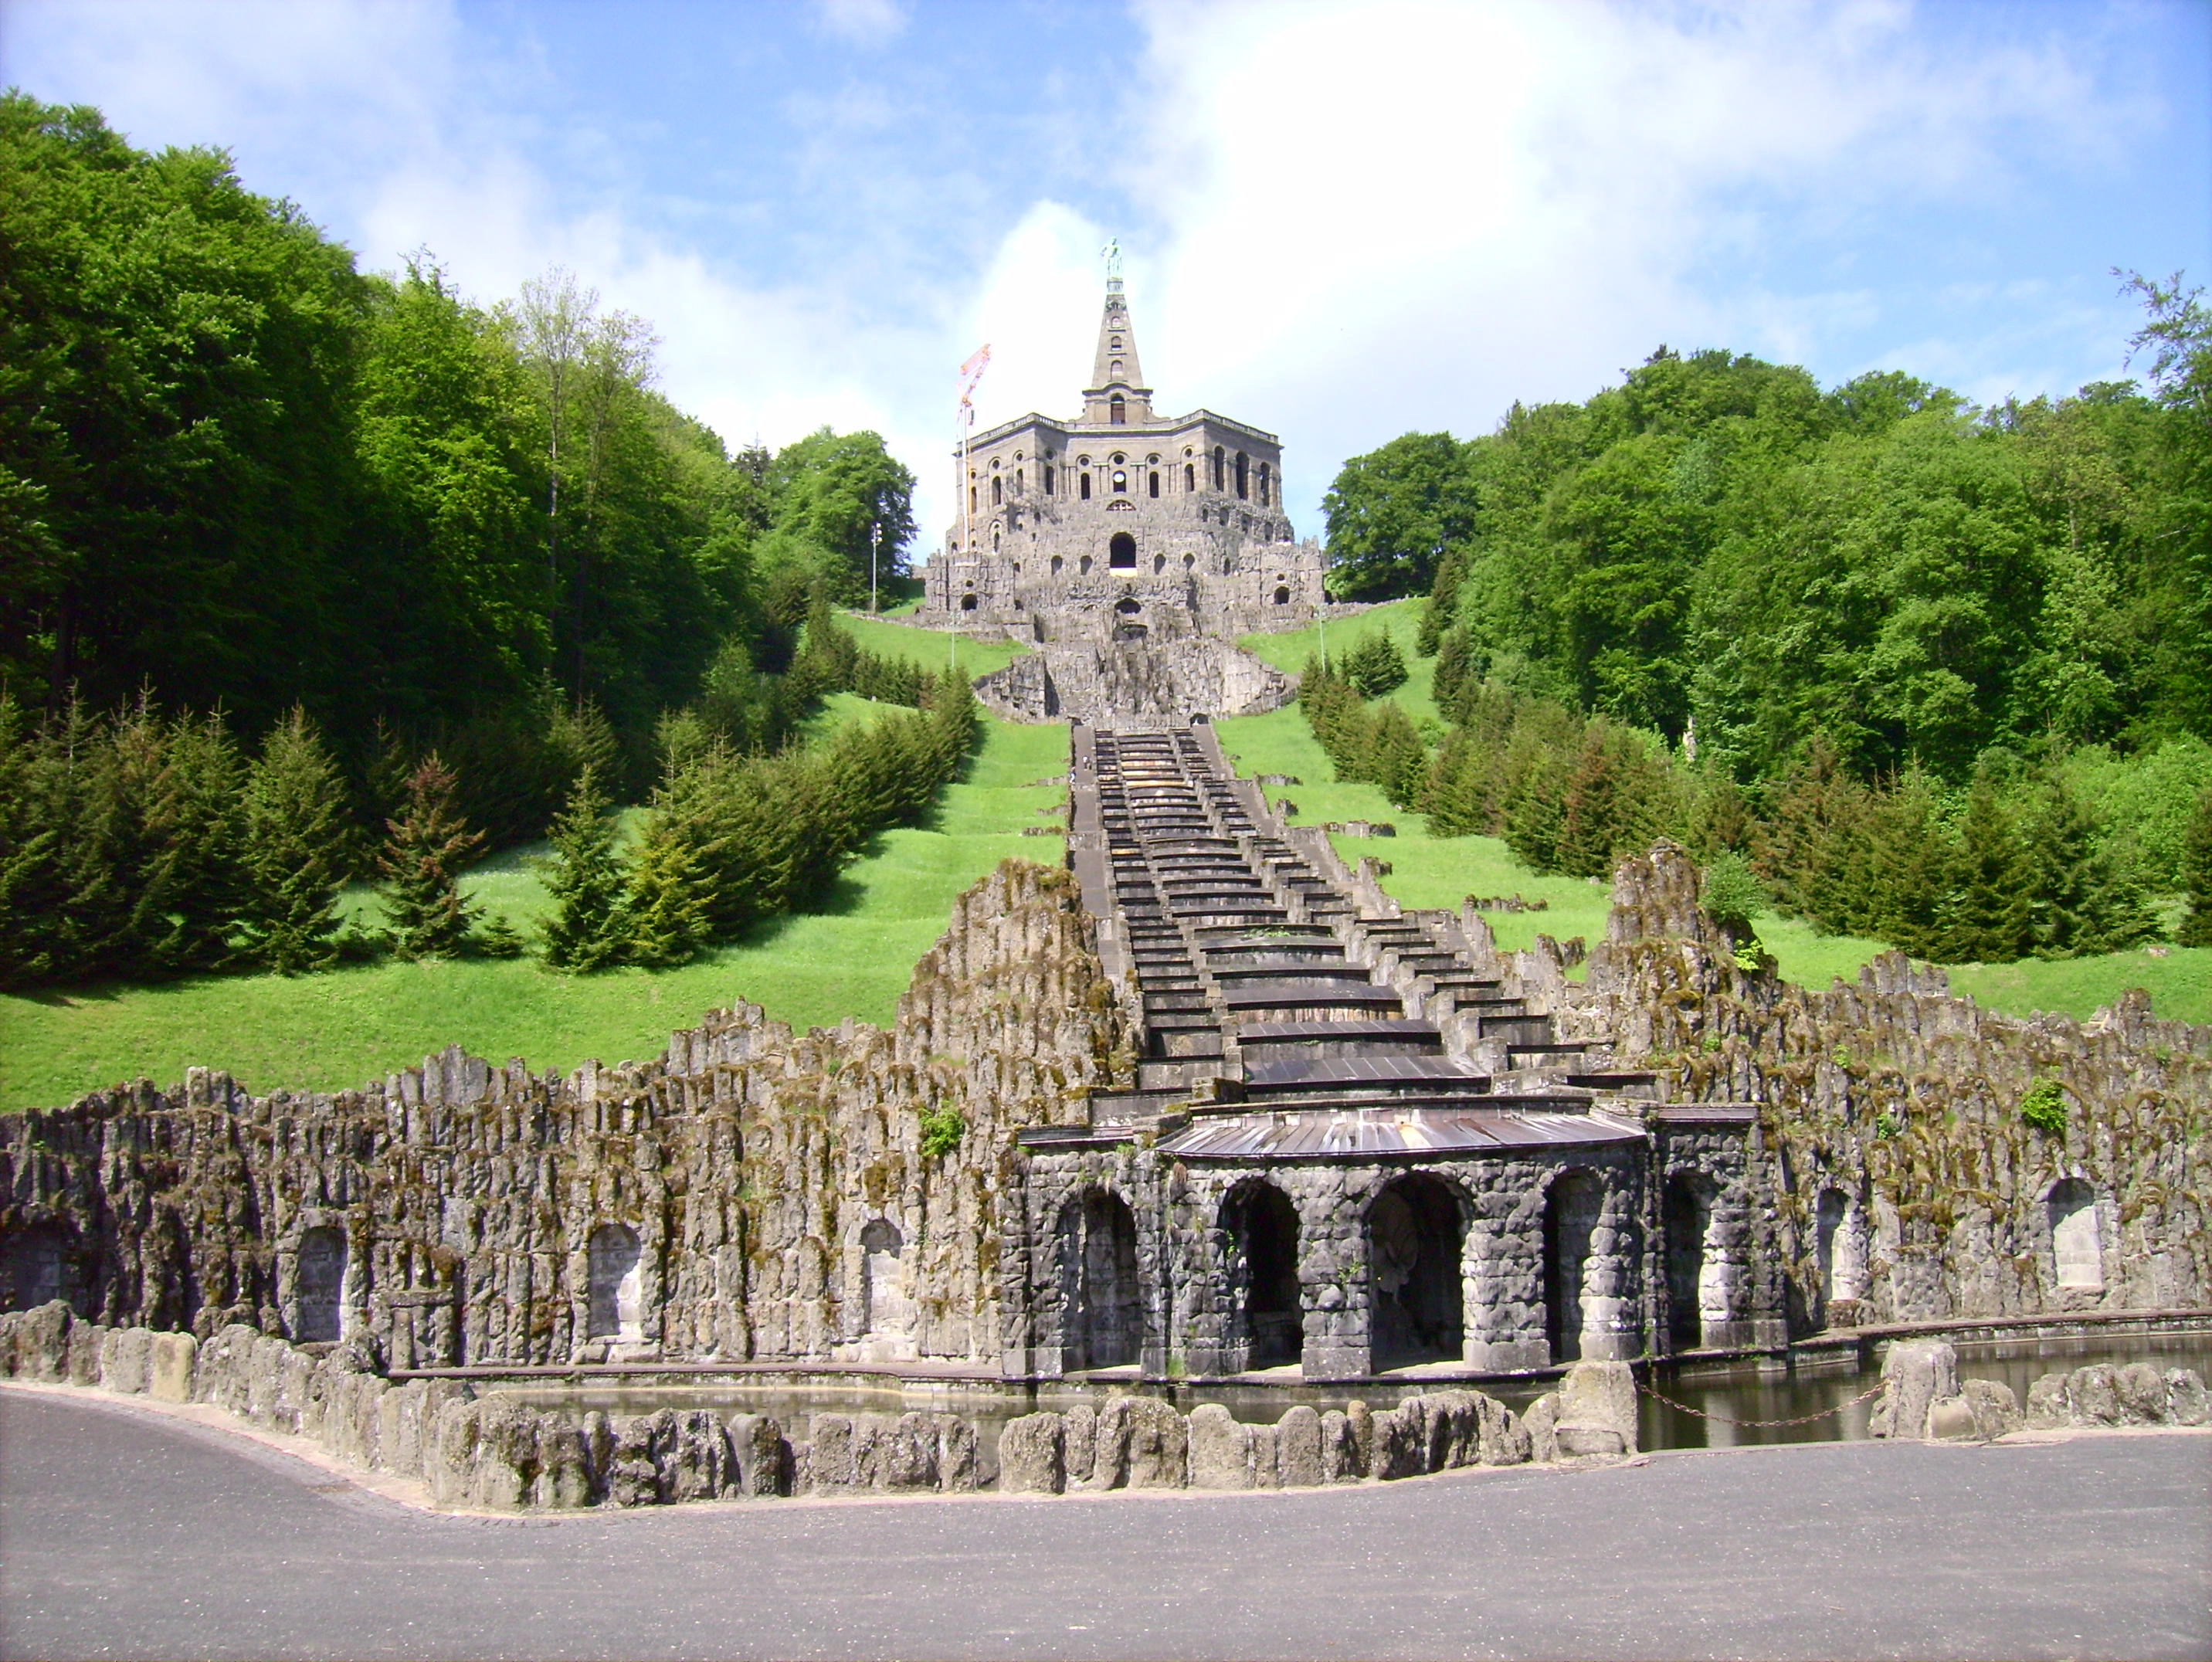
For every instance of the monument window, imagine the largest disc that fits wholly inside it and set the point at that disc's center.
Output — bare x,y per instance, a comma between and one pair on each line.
1189,561
971,498
1220,467
1056,564
1087,487
1121,482
1083,565
1116,344
998,491
2073,1243
1156,482
1117,410
1282,596
1570,1218
1263,484
1017,482
1159,563
616,1277
1121,552
1047,478
1241,477
966,602
994,538
1114,369
1189,476
1413,1233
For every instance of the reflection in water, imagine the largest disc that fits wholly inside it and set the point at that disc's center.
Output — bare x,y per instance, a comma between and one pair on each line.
1741,1392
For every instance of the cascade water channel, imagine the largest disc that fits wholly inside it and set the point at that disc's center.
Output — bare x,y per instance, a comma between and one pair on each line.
1735,1392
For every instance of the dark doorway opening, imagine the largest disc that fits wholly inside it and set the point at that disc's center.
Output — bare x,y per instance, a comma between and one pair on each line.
322,1286
1413,1235
1268,1322
1121,552
1689,1211
1104,1318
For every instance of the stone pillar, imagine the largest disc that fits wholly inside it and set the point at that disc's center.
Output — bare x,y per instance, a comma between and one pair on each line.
1503,1285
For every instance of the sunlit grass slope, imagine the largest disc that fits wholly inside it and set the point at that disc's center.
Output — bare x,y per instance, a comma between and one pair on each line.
330,1031
931,648
1397,618
1441,872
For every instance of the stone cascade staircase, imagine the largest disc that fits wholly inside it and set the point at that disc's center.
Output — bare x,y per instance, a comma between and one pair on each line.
1266,989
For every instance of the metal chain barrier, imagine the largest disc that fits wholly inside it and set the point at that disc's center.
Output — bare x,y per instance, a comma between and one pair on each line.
1723,1419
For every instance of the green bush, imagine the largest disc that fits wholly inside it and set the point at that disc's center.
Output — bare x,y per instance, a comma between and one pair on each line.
1375,666
1731,893
2044,1106
941,1132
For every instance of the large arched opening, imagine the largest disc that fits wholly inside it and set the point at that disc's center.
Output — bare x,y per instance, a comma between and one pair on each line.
1414,1231
1103,1322
884,1308
616,1275
37,1268
2075,1250
1689,1211
1838,1249
1121,552
1572,1209
1267,1320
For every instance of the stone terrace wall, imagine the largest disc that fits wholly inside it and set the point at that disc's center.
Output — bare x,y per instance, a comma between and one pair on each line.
747,1161
1900,1103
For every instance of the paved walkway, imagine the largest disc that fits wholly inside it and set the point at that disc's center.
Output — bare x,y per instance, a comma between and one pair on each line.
125,1534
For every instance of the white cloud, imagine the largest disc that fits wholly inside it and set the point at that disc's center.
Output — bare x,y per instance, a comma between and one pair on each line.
863,22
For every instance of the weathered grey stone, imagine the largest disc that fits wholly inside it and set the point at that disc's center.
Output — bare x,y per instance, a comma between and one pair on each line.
2186,1398
1081,1444
2093,1396
635,1476
1220,1449
2047,1404
1266,1457
958,1468
693,1454
566,1479
2142,1392
37,1347
756,1443
1361,1419
126,1360
1540,1422
1916,1376
169,1368
1597,1410
1149,1439
833,1467
1951,1419
1298,1449
85,1338
1504,1441
1400,1445
1340,1449
1032,1451
1996,1409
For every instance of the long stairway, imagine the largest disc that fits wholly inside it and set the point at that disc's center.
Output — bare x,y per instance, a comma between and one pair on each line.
1277,1021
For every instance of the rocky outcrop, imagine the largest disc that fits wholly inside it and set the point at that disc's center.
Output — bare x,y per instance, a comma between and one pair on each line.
1106,683
754,1193
1903,1182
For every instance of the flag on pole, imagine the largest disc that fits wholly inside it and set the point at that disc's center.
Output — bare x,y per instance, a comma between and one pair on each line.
970,372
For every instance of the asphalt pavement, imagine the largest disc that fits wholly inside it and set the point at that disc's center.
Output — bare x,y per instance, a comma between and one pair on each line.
124,1533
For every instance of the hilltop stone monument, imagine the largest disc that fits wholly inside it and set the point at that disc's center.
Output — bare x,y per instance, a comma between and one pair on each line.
1131,549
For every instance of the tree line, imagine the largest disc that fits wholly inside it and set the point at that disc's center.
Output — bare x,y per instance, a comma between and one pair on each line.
239,473
2060,858
139,844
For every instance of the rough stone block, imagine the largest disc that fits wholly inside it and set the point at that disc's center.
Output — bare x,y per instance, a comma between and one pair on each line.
1266,1457
1596,1398
169,1366
84,1342
1503,1441
1996,1409
1400,1449
756,1443
2094,1395
2186,1398
125,1360
34,1343
1339,1451
1916,1375
1220,1449
1154,1440
834,1469
635,1477
2047,1407
1951,1419
565,1479
958,1462
1297,1448
1542,1424
693,1452
2142,1392
1081,1448
1032,1451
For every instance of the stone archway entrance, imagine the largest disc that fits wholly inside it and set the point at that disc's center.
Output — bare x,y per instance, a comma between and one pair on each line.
1688,1221
1415,1307
1571,1216
1267,1320
1103,1309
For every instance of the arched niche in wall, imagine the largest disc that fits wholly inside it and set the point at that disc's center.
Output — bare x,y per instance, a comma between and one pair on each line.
2076,1248
1416,1306
1572,1209
1121,552
37,1266
1260,1227
616,1276
320,1283
1102,1304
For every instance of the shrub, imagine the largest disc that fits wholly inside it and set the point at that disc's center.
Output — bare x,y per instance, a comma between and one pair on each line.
1731,893
2044,1106
941,1132
424,850
1375,665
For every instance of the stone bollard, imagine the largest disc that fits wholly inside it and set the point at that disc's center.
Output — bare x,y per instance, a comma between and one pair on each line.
1596,1411
1220,1449
1542,1424
1031,1450
1297,1449
1916,1376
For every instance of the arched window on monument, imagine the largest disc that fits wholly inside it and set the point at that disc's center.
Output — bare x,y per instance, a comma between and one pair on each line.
1121,482
1241,479
1121,552
1047,478
1117,410
1087,487
971,498
1156,482
1220,467
1115,371
998,491
1263,484
1189,476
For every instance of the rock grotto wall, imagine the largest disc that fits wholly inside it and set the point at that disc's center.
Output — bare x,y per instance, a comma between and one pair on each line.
753,1193
1906,1184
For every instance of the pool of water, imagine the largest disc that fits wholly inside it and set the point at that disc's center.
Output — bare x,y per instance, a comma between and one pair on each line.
1731,1394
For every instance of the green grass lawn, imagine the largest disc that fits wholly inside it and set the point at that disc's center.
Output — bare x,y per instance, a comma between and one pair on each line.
331,1031
1399,619
1440,871
931,648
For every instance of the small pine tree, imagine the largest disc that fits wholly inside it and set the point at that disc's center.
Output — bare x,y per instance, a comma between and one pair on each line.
1376,665
2196,873
1986,919
588,930
2085,902
424,850
198,882
297,844
668,920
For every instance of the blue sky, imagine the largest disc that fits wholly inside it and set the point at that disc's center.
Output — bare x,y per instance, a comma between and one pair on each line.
1343,220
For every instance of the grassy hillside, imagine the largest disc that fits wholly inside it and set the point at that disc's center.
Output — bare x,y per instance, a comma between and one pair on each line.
331,1031
931,648
1439,871
1397,618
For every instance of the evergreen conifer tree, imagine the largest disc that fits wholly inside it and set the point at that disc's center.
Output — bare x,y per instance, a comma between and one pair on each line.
424,850
667,910
297,840
588,930
2085,900
1986,916
198,886
2196,872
